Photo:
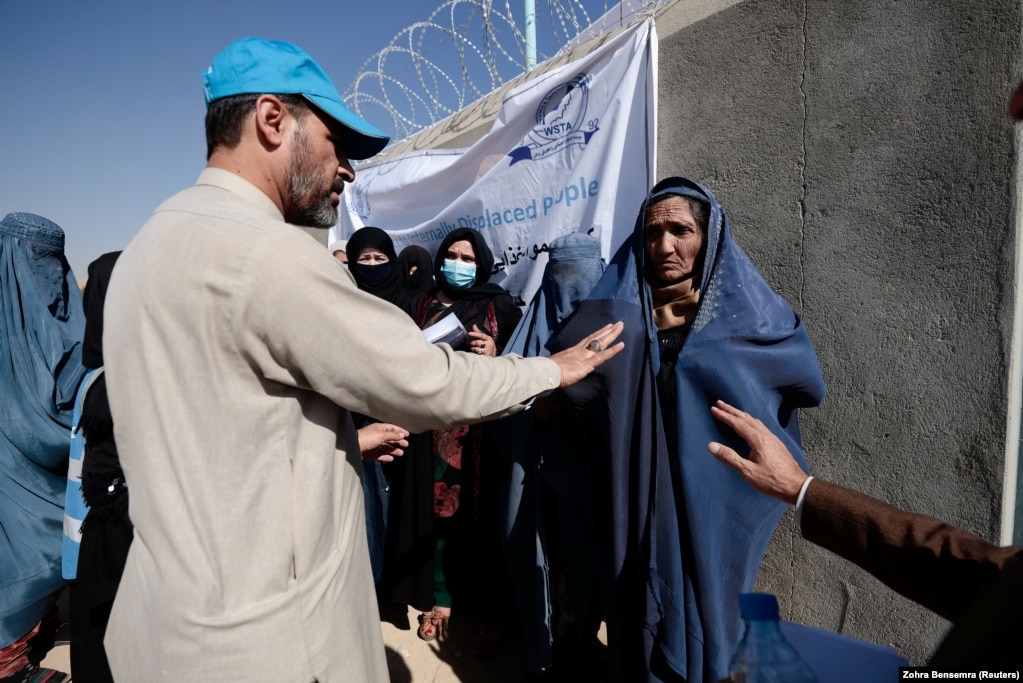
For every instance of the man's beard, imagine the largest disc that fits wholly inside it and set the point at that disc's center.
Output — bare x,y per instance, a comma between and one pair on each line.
309,202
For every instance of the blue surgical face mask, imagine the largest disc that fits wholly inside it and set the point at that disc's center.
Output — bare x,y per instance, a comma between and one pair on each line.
459,274
372,276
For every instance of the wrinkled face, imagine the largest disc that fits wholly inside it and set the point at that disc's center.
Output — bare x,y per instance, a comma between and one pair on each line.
461,251
317,170
372,257
673,240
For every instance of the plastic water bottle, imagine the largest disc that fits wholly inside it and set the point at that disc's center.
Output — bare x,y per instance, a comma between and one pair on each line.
763,654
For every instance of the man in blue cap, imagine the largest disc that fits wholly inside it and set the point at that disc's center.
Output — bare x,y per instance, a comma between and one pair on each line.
279,81
236,350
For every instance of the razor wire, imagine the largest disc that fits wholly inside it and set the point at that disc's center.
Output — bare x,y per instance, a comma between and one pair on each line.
466,49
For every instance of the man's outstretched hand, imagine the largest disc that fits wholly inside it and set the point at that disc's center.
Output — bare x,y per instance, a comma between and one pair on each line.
580,360
770,469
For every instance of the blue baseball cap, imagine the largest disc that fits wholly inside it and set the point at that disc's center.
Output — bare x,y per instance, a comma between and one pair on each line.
257,66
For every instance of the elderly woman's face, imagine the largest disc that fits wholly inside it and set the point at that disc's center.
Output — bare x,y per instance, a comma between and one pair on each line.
673,240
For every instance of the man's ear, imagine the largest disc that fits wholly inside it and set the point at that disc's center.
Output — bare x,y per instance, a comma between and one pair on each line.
271,117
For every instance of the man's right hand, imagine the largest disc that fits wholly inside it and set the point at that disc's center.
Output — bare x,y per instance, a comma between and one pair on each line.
770,468
580,360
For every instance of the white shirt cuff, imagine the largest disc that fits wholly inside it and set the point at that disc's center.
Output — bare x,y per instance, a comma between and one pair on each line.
799,501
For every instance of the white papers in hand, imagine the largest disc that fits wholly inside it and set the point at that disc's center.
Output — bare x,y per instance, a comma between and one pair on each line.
448,329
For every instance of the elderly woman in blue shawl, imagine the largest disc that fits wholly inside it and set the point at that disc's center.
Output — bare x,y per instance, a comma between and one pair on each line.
681,536
41,326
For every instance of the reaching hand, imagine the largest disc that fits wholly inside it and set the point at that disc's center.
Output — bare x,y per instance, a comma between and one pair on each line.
594,349
382,441
770,469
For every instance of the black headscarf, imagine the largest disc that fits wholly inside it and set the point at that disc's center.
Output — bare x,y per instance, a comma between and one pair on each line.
415,255
107,528
101,459
481,288
92,299
470,304
392,288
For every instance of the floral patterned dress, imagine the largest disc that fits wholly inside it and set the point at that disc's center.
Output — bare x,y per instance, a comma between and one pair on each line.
464,504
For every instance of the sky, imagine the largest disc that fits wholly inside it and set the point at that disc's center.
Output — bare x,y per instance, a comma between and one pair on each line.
102,106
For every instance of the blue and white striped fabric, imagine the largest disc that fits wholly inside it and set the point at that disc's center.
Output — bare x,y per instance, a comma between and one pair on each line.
75,507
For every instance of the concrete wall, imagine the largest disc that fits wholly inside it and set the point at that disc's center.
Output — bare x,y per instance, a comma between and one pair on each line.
863,152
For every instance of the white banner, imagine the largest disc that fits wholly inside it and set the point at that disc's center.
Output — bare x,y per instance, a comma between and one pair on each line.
571,151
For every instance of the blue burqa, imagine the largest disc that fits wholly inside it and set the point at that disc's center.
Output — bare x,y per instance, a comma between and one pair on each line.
41,329
682,534
540,503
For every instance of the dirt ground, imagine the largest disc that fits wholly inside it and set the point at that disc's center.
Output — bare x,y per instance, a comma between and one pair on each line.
409,660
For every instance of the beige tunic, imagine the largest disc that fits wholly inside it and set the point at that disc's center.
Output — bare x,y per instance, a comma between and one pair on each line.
236,347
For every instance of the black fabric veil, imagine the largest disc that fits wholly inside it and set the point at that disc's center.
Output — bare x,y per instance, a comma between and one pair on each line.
415,255
393,287
92,299
470,304
482,288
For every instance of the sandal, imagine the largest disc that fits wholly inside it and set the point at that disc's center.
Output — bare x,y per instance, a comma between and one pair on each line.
432,624
427,629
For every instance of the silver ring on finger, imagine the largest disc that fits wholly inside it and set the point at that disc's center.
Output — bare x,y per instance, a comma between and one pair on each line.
595,346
